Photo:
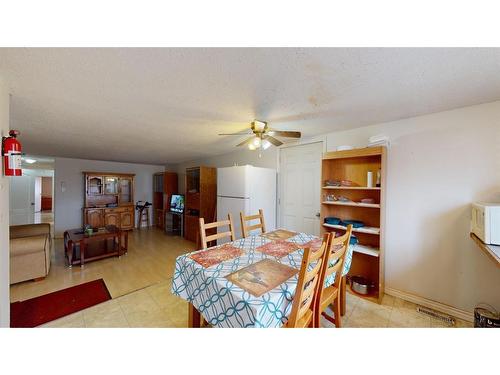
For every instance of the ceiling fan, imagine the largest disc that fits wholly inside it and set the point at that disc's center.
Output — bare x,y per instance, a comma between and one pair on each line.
263,137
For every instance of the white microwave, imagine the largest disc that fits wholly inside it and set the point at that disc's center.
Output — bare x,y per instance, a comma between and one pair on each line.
486,222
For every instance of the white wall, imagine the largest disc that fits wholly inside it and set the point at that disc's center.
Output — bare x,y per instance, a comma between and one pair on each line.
69,204
437,165
4,212
240,156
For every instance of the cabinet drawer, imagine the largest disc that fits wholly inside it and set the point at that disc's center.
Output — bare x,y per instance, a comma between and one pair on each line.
114,210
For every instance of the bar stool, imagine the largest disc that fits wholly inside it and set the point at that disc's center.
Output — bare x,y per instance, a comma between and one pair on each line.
143,216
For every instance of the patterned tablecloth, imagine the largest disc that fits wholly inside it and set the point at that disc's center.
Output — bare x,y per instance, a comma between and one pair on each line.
223,304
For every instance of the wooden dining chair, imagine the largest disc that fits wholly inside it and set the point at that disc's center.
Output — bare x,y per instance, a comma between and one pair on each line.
216,224
246,229
332,264
302,314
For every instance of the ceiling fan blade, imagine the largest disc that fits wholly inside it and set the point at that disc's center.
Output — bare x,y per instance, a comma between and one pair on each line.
273,140
288,134
246,141
240,133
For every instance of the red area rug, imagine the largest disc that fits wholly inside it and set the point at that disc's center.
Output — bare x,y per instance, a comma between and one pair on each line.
39,310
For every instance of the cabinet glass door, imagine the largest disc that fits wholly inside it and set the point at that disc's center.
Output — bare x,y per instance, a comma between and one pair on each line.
125,190
95,185
110,185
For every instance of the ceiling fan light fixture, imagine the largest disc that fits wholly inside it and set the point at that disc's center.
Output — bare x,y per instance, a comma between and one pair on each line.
265,144
259,126
256,142
251,147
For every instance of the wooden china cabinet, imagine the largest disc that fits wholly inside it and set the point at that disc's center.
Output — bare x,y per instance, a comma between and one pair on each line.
109,200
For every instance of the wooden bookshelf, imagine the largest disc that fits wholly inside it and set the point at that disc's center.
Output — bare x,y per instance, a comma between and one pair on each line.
201,199
164,185
353,165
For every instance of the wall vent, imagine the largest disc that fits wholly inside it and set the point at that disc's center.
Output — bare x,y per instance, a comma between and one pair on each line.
436,315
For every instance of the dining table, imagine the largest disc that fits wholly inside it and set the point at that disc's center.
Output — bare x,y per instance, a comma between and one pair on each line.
207,286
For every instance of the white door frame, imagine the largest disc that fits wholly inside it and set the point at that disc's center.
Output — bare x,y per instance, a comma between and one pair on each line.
37,194
278,185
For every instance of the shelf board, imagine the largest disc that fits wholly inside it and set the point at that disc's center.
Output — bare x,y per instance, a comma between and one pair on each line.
350,188
355,153
369,230
352,204
367,250
491,250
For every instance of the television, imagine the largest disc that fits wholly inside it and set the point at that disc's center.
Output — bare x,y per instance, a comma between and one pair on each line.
177,203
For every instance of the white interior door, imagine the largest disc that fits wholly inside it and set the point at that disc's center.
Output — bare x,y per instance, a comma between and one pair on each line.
22,202
300,175
38,194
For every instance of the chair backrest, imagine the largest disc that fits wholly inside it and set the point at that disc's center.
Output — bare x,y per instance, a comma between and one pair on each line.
307,285
333,259
204,227
245,229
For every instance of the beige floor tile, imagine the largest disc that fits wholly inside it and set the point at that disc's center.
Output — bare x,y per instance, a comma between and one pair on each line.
404,317
179,322
103,309
137,302
162,295
70,321
149,319
115,319
388,300
367,314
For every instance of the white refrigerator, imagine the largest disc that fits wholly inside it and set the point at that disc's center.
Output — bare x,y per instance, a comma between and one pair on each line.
246,189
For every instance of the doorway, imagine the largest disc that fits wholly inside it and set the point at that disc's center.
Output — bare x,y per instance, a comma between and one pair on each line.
299,190
31,195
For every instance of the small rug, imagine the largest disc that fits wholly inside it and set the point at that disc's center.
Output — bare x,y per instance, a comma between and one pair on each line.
40,310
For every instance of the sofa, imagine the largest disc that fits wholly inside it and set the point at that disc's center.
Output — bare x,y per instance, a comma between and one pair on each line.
30,247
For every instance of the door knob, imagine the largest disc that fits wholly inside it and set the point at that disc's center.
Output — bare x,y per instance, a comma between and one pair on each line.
318,214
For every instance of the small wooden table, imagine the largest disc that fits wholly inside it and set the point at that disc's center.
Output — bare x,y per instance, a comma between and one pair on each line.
491,250
90,246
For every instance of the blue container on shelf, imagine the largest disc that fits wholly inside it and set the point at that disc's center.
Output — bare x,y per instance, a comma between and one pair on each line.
354,223
353,240
332,220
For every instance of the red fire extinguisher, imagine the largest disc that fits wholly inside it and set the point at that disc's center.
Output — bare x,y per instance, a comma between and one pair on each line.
11,152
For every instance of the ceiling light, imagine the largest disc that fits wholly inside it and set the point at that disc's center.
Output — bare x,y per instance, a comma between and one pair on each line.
259,126
30,161
251,147
256,142
266,144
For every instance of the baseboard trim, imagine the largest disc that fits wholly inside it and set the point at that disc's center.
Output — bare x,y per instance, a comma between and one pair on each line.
447,309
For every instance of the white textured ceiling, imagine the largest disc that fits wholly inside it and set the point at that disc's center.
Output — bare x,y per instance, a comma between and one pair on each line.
167,105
